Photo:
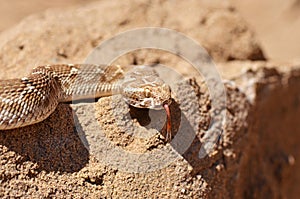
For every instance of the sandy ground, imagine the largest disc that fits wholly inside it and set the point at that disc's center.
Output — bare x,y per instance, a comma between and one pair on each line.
277,25
276,22
12,12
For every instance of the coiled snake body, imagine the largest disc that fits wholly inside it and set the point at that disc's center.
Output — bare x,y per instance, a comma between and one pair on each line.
32,99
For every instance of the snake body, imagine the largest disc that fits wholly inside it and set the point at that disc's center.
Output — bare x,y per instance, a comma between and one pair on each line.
33,98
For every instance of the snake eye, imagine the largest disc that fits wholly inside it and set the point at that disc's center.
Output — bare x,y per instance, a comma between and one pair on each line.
147,92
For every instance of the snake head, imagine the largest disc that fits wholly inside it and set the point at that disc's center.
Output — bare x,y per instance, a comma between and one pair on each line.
143,88
153,97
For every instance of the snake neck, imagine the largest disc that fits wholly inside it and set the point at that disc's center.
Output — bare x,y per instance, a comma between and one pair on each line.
91,90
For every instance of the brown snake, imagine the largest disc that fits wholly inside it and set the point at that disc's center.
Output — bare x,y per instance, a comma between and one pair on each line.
33,98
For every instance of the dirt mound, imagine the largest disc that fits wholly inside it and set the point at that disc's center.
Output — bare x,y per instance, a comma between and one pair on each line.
54,158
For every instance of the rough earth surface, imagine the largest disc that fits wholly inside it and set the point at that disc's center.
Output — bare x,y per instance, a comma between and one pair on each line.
67,155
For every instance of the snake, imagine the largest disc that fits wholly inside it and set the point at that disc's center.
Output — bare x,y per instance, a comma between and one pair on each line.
32,99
